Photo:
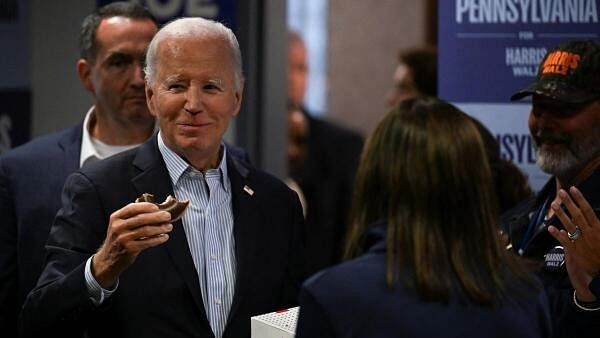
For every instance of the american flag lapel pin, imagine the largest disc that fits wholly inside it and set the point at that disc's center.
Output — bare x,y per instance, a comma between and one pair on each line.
248,190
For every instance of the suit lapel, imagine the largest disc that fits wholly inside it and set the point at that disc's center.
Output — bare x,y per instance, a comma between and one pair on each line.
154,178
245,209
70,143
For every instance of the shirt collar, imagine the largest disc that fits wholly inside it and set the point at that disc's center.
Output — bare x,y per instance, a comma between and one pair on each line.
177,166
87,148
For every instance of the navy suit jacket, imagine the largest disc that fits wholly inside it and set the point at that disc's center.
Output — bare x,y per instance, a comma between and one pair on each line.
31,181
159,295
353,300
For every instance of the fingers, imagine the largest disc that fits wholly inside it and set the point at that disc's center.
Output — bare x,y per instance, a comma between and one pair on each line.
138,226
586,209
577,219
133,215
561,236
133,209
567,221
142,234
146,242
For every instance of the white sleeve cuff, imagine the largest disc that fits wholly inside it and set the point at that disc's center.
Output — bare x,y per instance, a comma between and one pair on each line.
97,294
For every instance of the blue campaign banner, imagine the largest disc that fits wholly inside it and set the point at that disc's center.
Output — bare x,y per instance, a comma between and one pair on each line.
489,49
223,11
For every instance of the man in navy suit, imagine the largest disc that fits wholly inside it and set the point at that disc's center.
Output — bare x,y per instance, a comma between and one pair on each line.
123,269
322,161
113,40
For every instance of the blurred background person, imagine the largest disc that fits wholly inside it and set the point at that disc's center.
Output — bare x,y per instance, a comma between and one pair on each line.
424,223
510,183
415,74
112,43
322,160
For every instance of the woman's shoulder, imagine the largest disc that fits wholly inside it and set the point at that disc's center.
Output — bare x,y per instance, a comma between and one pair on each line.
355,275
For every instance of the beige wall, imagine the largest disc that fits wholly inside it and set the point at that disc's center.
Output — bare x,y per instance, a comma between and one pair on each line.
58,99
364,39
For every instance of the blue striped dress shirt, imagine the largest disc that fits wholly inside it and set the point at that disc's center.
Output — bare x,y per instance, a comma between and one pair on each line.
208,225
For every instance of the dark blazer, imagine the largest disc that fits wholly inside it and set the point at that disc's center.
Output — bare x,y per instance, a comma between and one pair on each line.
352,300
31,180
159,295
326,180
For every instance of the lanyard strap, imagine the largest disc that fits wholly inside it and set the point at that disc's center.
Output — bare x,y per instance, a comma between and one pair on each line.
535,222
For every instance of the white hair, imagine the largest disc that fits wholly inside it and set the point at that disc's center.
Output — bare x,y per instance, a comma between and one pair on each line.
194,27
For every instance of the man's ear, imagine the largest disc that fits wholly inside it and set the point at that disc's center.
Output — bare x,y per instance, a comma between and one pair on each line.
150,98
238,99
84,70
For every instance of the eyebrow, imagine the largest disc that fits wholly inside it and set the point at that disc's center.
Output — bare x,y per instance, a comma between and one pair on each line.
218,82
173,78
118,55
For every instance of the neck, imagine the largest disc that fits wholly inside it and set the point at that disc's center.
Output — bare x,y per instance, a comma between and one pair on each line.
567,181
115,132
203,162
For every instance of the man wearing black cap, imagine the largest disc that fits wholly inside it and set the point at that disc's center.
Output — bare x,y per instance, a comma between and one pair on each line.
565,126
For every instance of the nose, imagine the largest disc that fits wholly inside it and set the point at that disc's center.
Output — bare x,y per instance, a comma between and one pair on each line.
193,101
391,98
540,118
138,76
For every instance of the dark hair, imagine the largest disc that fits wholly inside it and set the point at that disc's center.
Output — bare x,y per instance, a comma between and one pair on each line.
511,185
89,26
423,64
424,170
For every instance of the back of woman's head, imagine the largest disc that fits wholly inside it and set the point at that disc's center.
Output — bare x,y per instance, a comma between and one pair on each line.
424,170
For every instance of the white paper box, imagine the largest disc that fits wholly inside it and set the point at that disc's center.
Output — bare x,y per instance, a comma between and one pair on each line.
279,324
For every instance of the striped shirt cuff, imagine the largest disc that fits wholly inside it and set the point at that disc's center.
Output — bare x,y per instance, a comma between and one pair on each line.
97,294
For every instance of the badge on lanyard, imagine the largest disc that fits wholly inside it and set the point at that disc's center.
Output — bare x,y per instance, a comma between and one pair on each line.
554,259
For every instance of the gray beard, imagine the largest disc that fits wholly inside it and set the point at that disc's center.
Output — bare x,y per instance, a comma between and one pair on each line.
571,158
557,163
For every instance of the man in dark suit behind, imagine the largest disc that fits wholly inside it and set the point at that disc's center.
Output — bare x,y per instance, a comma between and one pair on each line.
113,40
322,160
236,252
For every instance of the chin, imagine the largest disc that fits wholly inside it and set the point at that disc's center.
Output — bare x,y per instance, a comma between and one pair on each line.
557,164
141,115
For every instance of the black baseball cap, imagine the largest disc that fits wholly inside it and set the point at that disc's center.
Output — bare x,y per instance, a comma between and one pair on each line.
569,73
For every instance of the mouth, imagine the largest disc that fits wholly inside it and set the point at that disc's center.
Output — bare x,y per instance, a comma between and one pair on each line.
551,140
136,99
193,125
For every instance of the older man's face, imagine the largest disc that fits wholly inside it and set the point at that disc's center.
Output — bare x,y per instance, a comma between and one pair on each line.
566,136
194,94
